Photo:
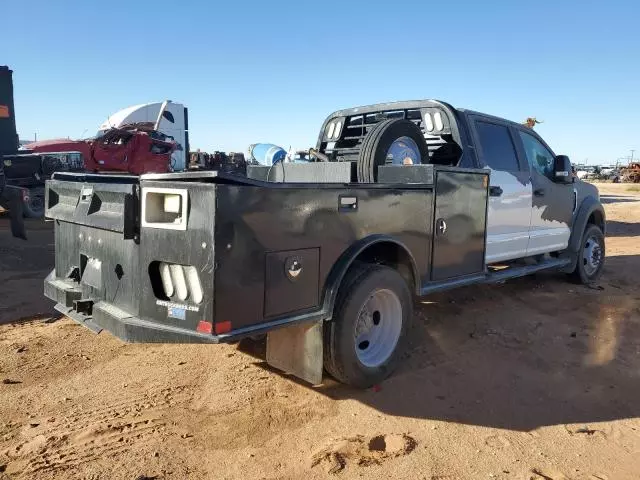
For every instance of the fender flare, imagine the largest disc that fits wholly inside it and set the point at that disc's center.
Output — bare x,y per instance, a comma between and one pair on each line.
587,207
346,260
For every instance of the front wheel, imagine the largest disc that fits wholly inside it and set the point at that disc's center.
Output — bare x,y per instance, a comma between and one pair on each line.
365,338
590,256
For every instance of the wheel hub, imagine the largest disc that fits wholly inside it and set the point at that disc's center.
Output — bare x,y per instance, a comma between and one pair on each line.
403,151
378,328
592,255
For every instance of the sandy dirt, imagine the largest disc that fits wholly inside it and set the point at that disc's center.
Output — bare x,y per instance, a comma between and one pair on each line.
537,378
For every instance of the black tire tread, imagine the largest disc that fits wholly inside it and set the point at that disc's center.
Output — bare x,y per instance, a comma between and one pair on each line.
333,351
352,278
366,157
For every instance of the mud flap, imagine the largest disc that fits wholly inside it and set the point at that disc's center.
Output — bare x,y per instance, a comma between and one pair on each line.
297,350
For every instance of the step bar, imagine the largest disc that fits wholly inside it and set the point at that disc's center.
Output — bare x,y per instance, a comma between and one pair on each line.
496,276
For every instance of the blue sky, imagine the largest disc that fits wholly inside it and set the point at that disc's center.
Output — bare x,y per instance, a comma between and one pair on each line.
272,71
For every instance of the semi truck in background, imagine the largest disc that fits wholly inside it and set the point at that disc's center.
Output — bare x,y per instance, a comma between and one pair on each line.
153,125
168,118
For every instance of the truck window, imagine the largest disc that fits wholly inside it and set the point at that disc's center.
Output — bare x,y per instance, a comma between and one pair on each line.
538,156
498,151
169,116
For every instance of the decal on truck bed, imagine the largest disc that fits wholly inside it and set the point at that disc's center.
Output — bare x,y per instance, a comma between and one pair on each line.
177,312
164,303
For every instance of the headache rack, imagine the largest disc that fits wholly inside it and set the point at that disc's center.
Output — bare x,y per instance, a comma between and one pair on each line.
434,121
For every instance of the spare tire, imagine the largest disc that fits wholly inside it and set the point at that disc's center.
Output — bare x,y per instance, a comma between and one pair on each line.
407,141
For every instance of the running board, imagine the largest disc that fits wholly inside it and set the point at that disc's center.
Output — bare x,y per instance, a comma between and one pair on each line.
515,272
494,277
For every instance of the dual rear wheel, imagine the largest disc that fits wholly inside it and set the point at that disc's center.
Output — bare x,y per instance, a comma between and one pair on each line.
371,318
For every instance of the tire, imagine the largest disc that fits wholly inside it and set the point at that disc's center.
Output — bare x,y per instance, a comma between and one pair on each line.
34,208
592,243
375,146
346,357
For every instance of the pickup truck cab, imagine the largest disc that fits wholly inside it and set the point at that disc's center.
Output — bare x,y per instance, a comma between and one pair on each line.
324,257
530,209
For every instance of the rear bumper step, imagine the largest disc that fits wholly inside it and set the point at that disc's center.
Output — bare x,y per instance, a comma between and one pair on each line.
126,327
129,328
132,329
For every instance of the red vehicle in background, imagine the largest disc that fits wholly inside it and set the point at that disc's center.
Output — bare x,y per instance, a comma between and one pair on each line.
135,148
145,138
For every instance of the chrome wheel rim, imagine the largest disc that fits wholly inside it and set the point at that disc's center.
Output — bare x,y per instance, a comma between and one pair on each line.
591,255
403,151
378,328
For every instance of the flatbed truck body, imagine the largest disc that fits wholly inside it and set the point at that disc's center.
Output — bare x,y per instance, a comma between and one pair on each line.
410,198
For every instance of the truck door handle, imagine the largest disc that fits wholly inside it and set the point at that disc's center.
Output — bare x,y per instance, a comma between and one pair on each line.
495,191
539,192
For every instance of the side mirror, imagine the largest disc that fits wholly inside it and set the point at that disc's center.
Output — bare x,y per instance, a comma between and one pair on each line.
562,172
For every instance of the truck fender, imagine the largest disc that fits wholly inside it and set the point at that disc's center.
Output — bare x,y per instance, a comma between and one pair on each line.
588,206
346,260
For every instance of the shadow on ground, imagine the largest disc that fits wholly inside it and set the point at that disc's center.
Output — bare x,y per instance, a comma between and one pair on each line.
532,352
623,229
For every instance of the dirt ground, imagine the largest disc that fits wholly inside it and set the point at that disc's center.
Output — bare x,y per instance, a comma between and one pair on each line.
533,379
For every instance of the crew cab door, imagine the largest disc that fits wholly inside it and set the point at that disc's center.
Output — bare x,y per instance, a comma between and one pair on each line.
510,190
553,203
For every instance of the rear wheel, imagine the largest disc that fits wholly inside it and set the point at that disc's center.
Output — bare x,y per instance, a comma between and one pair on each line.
366,335
34,206
590,256
391,142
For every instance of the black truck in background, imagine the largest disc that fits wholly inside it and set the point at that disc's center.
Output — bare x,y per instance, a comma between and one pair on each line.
23,173
406,199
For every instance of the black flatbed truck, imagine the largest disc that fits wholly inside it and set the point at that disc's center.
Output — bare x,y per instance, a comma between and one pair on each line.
325,262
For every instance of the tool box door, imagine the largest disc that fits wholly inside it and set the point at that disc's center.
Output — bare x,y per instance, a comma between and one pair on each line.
459,224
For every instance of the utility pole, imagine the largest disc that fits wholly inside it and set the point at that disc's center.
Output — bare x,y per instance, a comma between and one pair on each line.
632,155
